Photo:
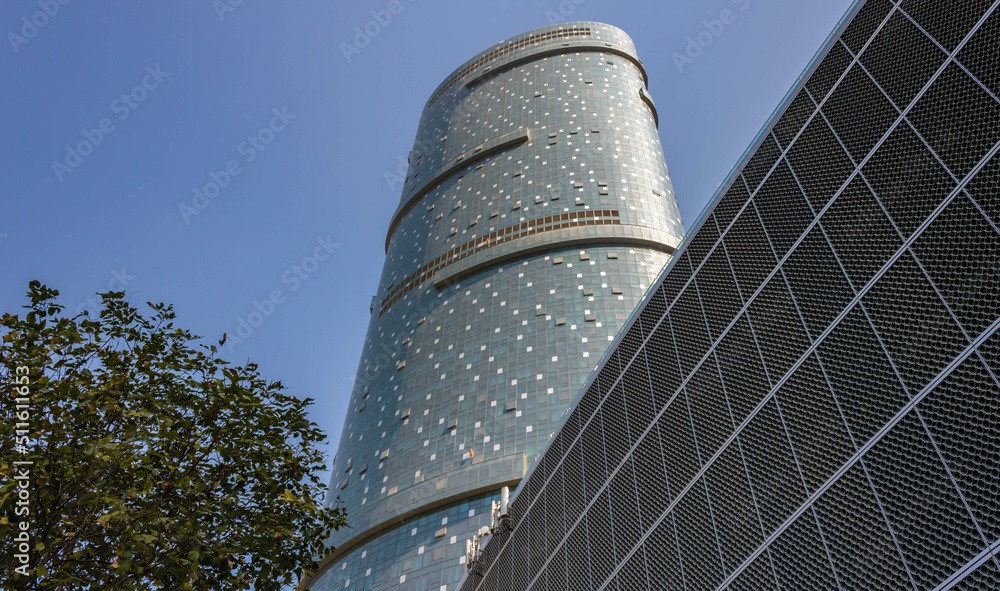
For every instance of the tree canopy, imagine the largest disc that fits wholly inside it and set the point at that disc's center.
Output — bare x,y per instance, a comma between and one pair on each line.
147,462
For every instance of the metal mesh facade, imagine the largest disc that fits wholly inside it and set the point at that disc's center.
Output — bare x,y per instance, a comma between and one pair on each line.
536,212
809,397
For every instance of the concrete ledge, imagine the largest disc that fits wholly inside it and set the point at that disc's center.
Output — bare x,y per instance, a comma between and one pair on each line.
481,152
564,238
644,95
402,505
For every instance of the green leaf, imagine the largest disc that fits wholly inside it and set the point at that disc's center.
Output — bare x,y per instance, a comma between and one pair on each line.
159,456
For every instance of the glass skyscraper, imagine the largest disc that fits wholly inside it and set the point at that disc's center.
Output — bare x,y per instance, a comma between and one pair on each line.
809,397
536,212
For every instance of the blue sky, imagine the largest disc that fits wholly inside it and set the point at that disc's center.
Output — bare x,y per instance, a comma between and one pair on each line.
229,156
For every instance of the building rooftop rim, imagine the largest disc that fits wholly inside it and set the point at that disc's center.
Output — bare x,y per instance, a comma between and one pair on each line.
450,78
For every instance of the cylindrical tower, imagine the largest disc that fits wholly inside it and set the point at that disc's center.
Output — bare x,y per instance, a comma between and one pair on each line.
536,210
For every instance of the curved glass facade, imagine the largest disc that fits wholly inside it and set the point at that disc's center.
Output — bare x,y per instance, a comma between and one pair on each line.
536,212
810,397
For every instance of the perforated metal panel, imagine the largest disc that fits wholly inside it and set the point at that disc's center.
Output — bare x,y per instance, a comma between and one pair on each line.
809,397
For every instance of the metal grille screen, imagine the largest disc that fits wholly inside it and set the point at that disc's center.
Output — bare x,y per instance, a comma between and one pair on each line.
809,398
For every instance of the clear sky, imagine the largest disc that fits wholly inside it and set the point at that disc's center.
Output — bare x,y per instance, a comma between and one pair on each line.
210,153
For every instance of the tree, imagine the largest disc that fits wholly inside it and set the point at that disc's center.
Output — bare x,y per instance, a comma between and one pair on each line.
154,464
